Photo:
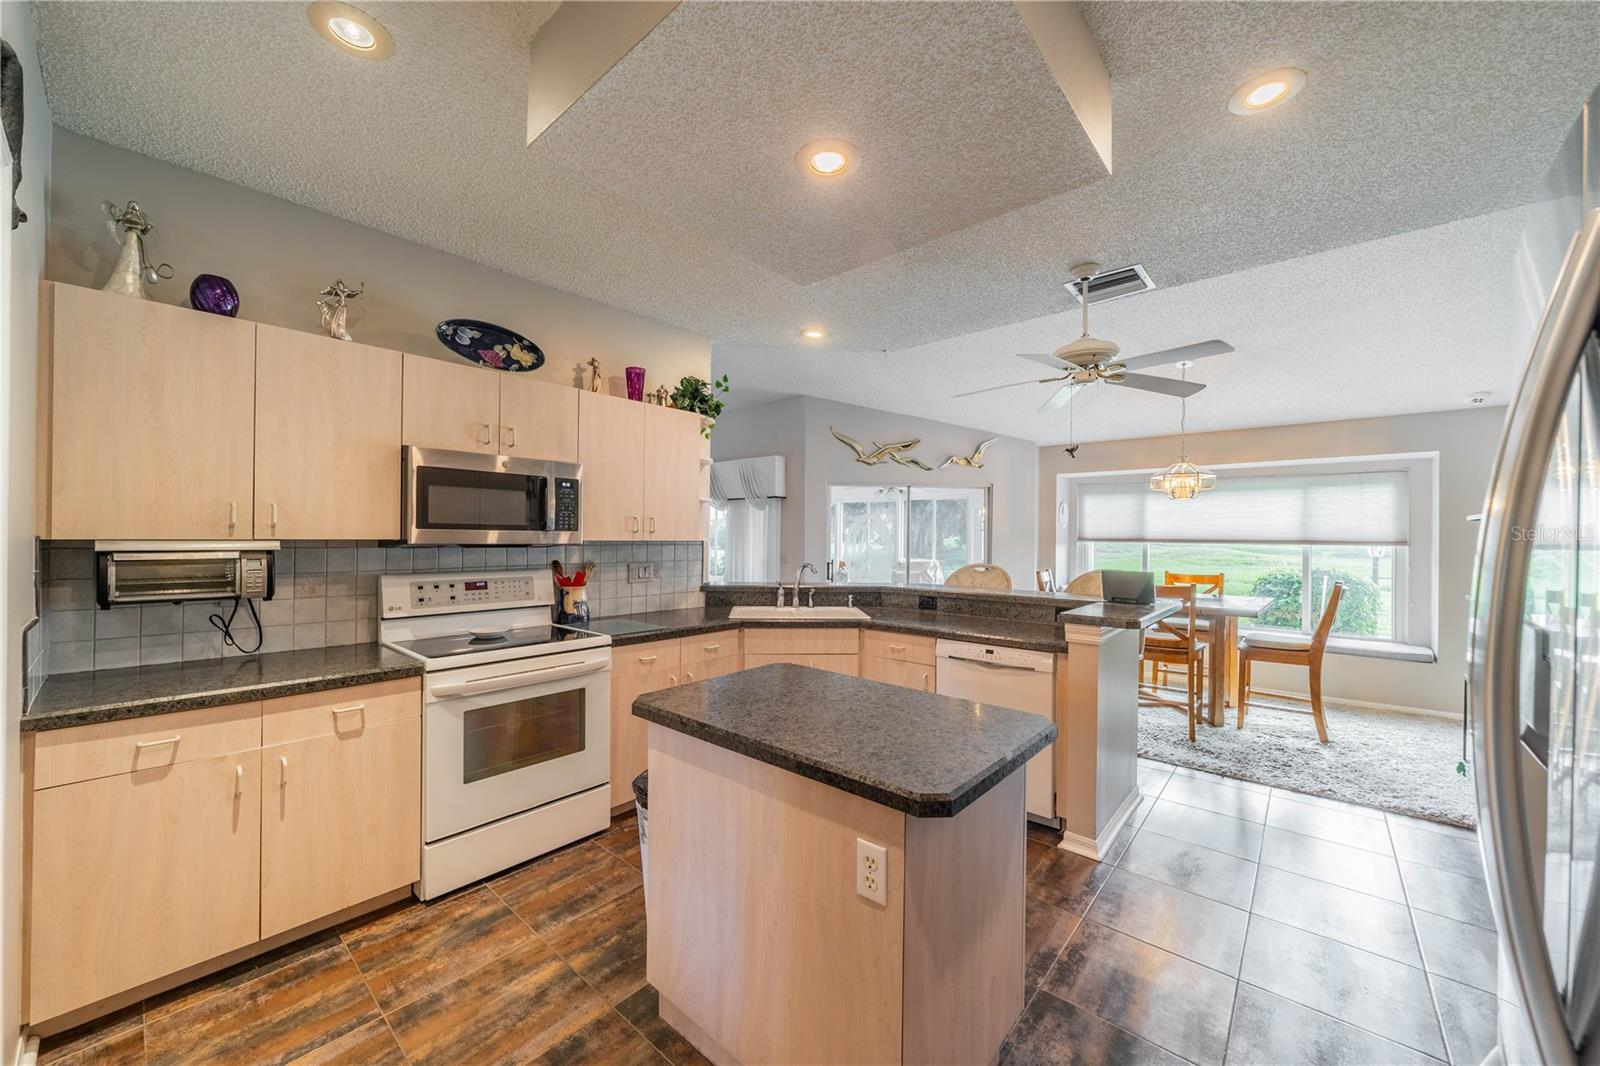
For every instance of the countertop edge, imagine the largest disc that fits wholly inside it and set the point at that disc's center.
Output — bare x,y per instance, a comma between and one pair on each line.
917,805
1058,644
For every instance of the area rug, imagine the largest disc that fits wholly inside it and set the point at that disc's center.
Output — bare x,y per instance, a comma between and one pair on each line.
1405,763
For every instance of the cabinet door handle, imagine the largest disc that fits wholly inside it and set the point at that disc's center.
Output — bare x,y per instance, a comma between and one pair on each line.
508,436
712,647
354,708
688,675
646,660
488,433
635,522
142,744
652,523
274,506
672,679
283,770
897,647
925,687
233,514
238,780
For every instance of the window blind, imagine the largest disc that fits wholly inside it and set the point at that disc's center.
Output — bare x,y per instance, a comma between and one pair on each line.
1369,507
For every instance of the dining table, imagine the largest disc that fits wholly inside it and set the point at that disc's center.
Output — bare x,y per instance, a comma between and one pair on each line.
1222,614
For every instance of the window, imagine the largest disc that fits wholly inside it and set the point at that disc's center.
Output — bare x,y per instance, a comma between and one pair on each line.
746,519
903,534
1288,531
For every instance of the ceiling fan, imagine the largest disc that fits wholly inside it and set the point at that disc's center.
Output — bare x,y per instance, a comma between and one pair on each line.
1090,359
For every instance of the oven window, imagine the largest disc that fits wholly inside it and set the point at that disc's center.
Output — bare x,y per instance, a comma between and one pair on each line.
448,498
510,736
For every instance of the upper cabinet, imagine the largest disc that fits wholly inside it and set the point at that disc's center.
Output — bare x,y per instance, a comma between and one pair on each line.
643,475
611,448
146,419
452,406
327,438
472,409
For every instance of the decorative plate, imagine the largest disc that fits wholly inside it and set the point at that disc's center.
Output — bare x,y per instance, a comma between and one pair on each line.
493,346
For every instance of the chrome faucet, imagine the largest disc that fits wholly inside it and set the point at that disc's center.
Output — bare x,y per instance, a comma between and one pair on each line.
797,574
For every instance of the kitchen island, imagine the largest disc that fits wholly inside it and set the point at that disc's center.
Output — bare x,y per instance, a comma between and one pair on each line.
836,868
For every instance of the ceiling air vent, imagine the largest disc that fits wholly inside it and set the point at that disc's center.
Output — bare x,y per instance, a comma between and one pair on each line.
1110,284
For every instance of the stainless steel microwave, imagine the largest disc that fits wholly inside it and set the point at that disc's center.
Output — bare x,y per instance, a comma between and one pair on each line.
466,498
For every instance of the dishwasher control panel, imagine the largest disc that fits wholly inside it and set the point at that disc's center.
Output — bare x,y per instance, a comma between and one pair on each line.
1016,658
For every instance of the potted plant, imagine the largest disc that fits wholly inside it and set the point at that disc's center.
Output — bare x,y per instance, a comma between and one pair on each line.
697,395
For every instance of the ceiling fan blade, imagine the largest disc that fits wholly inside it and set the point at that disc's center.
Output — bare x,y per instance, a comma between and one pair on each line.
1061,396
1040,357
1151,383
1014,384
1168,356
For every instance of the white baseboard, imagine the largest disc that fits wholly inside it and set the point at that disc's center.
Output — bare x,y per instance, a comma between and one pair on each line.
1096,847
27,1053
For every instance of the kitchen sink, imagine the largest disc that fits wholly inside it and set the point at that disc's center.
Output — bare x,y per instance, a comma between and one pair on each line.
796,614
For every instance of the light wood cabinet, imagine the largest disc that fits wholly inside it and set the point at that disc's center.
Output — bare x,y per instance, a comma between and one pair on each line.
798,641
138,875
635,670
451,406
611,448
897,672
840,664
538,419
673,476
146,419
327,452
706,647
474,409
903,647
709,668
342,819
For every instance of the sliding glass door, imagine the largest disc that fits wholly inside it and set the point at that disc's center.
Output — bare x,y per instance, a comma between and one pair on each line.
906,534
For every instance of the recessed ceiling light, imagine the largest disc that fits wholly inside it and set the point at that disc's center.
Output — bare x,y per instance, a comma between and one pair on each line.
1266,91
814,333
827,158
350,29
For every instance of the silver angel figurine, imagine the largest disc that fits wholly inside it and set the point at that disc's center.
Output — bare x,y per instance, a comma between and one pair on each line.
133,270
335,304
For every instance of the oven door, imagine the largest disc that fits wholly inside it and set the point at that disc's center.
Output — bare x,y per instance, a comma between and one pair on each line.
510,736
466,498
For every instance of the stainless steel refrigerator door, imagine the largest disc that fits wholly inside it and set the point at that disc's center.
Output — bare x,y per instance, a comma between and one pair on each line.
1533,577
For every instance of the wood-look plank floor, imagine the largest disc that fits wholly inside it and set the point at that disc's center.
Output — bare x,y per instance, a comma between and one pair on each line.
1230,923
541,964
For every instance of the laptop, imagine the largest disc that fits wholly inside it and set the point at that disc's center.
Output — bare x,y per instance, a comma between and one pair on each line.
1128,586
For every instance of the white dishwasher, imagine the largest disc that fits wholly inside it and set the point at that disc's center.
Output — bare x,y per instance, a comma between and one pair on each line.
1007,677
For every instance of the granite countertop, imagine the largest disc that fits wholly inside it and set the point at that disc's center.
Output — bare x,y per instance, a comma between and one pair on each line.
927,755
1109,615
1035,636
108,695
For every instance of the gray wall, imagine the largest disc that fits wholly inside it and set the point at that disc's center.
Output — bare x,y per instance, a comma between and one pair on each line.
25,261
279,255
797,428
1466,442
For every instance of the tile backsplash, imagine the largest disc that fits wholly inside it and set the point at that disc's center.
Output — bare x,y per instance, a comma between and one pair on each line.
326,594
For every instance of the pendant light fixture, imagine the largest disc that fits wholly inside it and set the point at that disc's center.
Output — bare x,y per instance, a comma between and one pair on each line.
1183,480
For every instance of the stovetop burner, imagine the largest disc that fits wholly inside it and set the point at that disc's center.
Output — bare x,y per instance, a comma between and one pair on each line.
450,644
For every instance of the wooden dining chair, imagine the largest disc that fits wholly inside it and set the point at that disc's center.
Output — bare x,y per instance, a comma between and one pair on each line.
1044,580
1175,641
1205,584
1292,649
1085,584
979,576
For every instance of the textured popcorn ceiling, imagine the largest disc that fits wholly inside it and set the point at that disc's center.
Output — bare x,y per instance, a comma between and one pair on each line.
1410,323
669,192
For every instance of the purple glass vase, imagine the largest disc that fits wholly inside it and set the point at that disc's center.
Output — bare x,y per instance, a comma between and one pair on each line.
214,295
635,382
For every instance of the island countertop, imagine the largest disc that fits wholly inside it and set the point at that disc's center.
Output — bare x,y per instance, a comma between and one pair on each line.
929,756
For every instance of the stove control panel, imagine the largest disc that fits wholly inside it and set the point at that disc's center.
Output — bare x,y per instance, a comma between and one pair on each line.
405,595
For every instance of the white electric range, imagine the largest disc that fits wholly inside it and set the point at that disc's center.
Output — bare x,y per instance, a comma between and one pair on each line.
516,719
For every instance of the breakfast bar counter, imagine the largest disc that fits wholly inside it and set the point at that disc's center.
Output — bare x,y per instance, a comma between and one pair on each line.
836,867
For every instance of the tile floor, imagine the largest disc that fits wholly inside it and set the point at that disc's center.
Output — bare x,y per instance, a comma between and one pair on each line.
1232,923
1235,923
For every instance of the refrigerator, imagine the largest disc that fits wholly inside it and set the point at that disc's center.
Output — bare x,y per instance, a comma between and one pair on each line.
1534,644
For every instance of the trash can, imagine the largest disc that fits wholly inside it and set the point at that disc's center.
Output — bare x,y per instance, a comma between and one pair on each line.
641,800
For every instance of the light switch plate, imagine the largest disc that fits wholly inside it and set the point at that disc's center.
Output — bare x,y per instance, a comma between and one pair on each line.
638,572
872,871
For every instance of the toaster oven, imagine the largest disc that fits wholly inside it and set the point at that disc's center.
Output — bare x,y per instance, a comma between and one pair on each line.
174,571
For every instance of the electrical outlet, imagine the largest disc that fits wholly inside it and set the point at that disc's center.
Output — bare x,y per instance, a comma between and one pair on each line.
638,572
872,871
927,603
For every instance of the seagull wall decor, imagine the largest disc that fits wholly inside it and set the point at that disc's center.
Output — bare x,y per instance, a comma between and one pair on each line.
975,460
880,452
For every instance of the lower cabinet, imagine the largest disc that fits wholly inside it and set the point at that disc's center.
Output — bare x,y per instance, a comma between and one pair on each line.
159,844
704,671
635,670
340,821
897,672
138,875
